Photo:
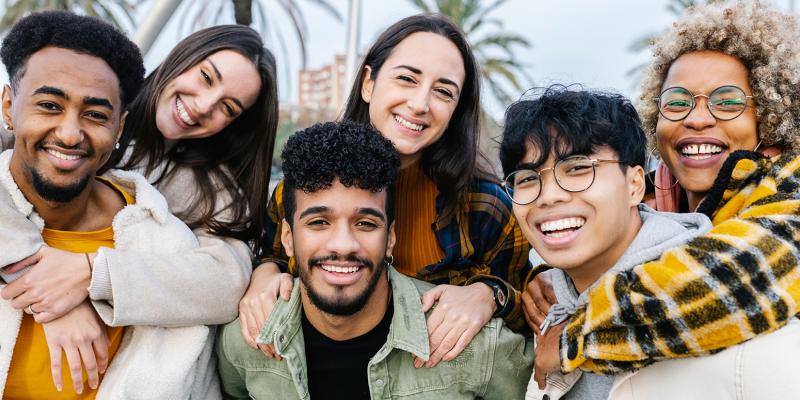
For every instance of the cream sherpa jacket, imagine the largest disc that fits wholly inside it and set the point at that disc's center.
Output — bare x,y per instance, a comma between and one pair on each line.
158,281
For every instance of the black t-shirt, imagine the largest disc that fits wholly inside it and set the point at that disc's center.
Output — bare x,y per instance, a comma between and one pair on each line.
338,369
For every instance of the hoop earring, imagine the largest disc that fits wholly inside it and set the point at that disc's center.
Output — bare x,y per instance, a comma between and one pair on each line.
757,146
651,178
390,261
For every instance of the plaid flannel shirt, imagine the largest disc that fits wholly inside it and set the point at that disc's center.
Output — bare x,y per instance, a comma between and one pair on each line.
739,280
481,242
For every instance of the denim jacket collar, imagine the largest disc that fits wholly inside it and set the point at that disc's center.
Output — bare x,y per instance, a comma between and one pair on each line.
408,330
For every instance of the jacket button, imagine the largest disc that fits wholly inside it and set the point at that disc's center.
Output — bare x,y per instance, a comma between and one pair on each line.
545,397
572,350
379,383
281,339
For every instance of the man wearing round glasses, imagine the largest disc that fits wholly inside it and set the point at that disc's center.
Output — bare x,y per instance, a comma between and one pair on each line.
578,179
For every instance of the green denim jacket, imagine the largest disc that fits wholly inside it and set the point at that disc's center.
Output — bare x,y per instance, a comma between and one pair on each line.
495,365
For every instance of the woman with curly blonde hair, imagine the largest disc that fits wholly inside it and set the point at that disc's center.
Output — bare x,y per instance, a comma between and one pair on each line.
719,106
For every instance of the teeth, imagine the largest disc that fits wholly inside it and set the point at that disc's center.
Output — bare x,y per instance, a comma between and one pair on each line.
334,268
407,124
705,150
182,113
62,155
560,225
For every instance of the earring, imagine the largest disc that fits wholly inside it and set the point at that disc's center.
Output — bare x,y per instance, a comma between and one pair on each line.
757,146
389,261
8,127
116,146
650,178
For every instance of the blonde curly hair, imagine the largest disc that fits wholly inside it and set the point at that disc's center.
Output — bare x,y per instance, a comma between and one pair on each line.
763,38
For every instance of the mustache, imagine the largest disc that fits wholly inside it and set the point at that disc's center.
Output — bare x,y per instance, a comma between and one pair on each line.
83,146
316,261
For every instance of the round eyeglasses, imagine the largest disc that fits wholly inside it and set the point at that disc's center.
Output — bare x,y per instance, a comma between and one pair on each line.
573,174
724,103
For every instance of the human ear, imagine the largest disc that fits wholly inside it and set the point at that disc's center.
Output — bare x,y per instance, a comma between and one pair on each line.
636,184
367,84
390,241
7,103
286,238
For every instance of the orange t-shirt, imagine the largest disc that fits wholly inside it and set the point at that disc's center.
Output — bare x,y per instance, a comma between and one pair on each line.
30,376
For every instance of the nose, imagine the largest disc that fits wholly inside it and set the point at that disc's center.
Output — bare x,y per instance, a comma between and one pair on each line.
206,102
550,193
342,240
700,116
418,103
69,132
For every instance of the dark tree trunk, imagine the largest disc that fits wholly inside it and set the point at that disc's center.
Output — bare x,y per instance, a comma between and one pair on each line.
243,11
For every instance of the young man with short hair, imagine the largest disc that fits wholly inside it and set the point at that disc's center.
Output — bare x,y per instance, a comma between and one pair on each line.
71,79
353,324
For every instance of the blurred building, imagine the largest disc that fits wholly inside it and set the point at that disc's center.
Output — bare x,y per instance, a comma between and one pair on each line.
323,89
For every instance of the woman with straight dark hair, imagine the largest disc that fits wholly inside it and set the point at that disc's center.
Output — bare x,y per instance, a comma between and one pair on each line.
202,131
419,86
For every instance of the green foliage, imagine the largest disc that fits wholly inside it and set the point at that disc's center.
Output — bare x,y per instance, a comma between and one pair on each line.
116,12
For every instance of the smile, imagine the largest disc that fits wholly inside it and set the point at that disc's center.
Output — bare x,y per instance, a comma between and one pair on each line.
338,269
407,124
182,113
700,151
561,227
61,155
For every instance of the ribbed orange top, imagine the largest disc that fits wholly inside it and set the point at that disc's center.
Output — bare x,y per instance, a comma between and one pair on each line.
415,212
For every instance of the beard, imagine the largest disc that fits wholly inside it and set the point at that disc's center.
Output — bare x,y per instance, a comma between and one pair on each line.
49,191
338,304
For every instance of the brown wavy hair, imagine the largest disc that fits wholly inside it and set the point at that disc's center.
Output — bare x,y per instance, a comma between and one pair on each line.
763,38
452,162
236,160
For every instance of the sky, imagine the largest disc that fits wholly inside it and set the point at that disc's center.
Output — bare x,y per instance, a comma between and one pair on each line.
573,41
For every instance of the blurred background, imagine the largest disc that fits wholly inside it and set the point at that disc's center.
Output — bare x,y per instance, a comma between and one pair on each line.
520,43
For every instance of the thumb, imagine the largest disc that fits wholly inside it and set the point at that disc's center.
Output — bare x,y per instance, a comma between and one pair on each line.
24,263
431,297
286,288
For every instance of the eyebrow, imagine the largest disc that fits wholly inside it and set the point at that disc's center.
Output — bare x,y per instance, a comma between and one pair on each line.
419,72
219,76
314,210
361,211
373,212
88,100
528,166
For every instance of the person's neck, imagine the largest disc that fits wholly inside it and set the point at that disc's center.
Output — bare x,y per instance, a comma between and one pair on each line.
409,160
78,214
694,199
584,276
340,328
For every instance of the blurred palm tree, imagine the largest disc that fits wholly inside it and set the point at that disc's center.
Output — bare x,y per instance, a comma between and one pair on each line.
494,49
117,12
248,12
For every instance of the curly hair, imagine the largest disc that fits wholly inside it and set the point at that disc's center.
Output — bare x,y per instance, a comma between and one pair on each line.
351,152
86,35
762,38
570,120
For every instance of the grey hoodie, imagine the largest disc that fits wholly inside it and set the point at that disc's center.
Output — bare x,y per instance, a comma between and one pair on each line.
660,231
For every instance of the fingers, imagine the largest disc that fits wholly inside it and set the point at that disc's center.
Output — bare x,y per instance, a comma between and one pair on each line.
245,326
90,364
74,361
269,351
431,296
435,321
540,379
55,365
447,343
20,265
462,343
44,317
286,286
532,314
101,347
543,295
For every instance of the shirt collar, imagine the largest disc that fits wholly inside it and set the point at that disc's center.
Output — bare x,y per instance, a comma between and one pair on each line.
408,330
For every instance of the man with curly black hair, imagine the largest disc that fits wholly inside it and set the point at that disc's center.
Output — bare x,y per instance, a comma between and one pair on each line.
71,79
353,323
